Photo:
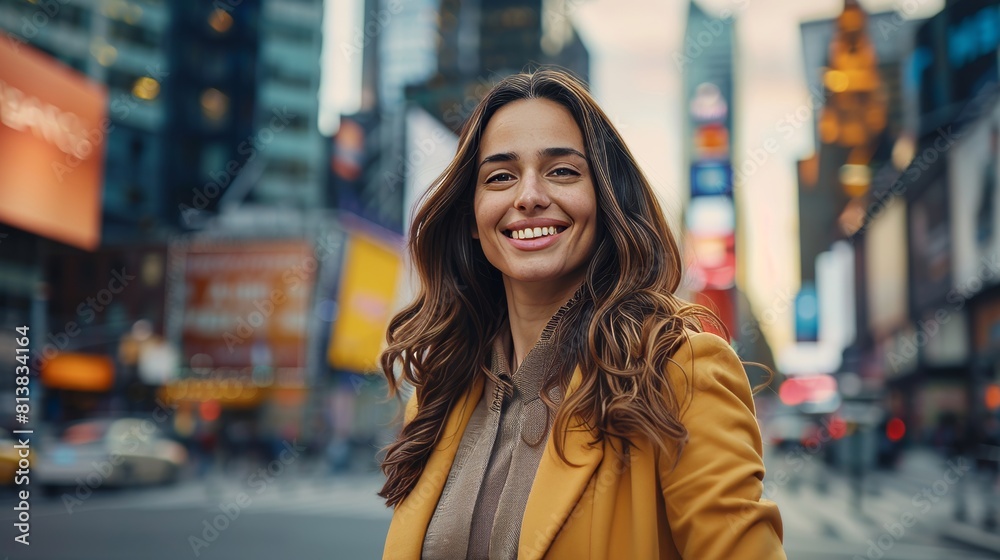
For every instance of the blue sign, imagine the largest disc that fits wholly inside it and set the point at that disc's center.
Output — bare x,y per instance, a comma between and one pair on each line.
807,314
710,178
954,57
974,36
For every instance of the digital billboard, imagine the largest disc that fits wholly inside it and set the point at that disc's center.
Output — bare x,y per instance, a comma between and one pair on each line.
246,305
53,132
368,287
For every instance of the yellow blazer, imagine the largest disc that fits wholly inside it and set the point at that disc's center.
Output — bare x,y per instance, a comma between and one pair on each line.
709,507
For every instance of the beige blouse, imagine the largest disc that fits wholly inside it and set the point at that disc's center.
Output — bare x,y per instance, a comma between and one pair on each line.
479,513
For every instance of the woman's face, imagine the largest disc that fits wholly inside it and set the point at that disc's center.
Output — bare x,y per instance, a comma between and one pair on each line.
535,205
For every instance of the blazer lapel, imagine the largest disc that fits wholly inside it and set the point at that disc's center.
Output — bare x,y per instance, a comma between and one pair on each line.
405,539
558,486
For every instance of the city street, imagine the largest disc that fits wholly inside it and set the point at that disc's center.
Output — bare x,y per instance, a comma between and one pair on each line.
306,515
229,229
821,520
297,516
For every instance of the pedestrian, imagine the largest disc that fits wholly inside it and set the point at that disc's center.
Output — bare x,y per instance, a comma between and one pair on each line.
567,403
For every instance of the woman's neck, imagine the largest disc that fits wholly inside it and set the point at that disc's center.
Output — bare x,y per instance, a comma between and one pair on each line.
529,308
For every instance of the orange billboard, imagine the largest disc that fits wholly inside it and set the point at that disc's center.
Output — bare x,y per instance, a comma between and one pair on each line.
53,131
79,372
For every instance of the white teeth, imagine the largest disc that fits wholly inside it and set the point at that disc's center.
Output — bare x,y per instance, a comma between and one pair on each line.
531,233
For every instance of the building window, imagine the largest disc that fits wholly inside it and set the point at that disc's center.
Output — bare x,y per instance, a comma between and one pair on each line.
214,105
220,20
122,33
513,17
279,33
120,80
283,75
290,172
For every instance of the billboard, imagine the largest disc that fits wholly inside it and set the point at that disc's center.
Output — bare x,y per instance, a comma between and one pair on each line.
368,286
886,262
53,132
835,292
246,306
430,147
930,243
711,215
711,261
955,55
807,314
708,103
710,178
711,141
973,208
79,372
722,303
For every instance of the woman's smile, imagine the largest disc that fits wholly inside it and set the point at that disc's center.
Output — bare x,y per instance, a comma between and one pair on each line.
542,238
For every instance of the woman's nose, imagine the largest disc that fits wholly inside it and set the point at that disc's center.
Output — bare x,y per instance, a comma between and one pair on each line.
531,193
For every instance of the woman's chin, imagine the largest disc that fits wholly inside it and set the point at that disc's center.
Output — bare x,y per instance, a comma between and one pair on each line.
554,275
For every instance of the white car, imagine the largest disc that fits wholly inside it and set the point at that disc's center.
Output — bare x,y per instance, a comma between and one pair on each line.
786,431
109,452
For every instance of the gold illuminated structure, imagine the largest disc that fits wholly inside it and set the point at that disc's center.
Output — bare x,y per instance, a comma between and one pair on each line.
855,113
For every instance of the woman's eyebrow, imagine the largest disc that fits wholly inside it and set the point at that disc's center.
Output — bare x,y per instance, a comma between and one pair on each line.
545,153
505,156
558,152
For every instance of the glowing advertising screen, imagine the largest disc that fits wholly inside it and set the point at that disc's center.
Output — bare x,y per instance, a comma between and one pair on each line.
246,305
53,132
367,292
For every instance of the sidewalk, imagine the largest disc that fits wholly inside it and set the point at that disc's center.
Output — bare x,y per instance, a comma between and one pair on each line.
925,481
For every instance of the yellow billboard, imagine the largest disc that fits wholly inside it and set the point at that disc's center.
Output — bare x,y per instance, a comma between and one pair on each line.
367,292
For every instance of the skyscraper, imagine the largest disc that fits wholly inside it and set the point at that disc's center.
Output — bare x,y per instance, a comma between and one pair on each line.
480,42
246,103
212,98
288,104
707,64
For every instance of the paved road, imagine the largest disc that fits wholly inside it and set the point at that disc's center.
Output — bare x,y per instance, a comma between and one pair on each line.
301,519
894,519
308,516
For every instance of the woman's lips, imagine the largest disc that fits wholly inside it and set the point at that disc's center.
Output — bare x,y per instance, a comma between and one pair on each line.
536,243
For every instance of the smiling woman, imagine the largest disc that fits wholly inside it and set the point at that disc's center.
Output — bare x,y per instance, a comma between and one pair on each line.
568,404
533,177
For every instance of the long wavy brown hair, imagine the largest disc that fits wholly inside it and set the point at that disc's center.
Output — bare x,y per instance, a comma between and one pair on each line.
621,333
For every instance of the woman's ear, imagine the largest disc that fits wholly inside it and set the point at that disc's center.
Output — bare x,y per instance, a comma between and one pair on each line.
475,231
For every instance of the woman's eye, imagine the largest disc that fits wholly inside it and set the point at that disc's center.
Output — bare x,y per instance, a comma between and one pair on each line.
565,172
500,177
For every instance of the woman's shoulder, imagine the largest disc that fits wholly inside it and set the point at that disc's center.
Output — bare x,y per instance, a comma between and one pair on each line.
704,361
701,344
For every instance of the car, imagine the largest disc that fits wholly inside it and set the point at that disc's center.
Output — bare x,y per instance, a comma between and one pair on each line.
109,453
787,431
9,457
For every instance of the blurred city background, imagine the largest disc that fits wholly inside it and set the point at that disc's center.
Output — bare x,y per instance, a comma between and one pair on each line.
203,210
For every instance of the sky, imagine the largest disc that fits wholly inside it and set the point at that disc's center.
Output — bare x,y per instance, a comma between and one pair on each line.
635,79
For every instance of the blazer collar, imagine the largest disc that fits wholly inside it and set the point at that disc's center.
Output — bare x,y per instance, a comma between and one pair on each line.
556,490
